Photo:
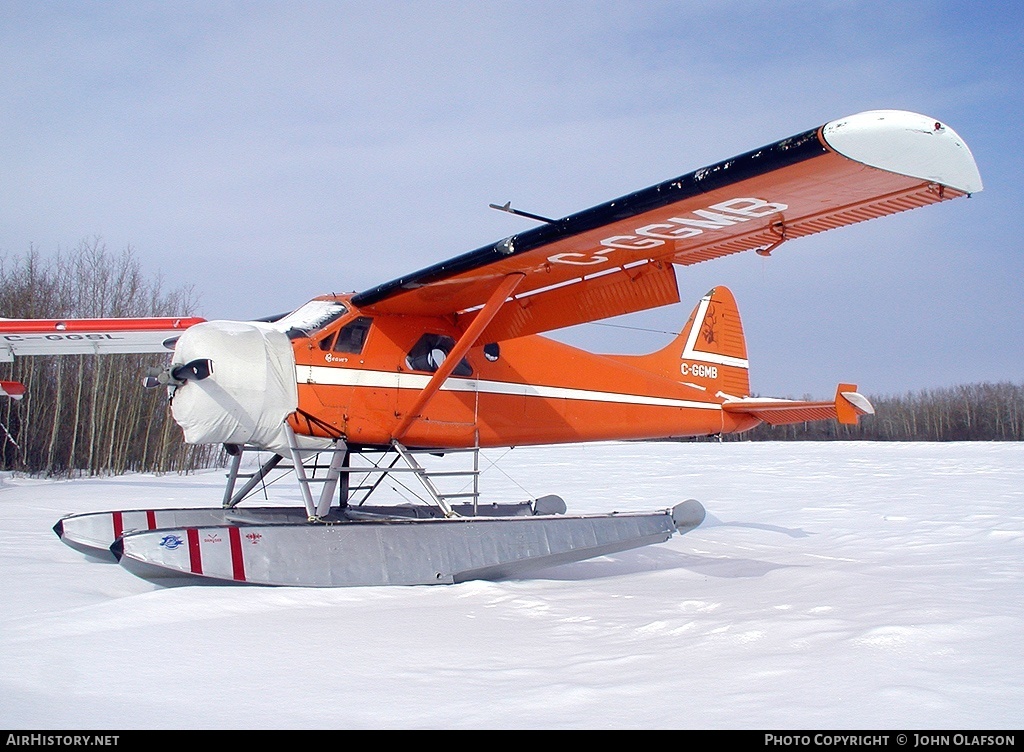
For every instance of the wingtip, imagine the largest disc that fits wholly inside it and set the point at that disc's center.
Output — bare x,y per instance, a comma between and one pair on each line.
906,143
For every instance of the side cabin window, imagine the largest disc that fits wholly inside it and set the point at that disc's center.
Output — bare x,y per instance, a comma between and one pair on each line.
351,337
429,353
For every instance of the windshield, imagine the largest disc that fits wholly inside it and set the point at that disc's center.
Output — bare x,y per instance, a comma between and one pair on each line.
315,315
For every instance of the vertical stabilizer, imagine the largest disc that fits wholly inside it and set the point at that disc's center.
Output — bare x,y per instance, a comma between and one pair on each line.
710,352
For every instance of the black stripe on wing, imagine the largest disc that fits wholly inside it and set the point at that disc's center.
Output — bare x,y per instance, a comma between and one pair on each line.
752,164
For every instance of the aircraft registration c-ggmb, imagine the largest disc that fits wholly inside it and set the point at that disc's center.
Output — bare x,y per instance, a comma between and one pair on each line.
452,358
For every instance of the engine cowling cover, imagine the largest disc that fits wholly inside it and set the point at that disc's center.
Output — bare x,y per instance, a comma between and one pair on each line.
250,391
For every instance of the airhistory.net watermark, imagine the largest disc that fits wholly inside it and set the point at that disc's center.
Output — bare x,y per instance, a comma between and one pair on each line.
61,740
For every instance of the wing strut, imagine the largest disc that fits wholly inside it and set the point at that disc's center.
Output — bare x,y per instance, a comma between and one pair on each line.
474,330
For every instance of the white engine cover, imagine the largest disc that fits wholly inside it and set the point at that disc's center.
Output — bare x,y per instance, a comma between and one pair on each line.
250,391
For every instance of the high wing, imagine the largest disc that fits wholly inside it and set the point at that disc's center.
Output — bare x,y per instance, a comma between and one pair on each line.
619,257
87,336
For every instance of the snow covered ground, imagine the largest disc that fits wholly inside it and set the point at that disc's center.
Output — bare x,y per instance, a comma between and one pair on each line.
832,586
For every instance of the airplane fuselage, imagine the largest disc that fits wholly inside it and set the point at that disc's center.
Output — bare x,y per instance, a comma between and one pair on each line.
530,390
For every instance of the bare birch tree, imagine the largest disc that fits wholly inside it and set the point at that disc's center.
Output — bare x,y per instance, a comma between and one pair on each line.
89,413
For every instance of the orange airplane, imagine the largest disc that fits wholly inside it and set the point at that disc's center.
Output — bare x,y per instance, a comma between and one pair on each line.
451,358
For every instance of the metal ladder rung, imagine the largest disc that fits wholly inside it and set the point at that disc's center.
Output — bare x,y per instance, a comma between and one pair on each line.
283,468
392,470
388,470
421,473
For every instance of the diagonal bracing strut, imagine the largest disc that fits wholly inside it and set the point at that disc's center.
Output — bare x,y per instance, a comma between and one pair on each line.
466,341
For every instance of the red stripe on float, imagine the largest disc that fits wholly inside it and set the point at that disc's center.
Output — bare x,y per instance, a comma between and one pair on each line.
118,524
151,519
237,565
194,559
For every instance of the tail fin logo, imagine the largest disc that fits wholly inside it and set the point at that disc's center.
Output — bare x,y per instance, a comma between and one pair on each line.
708,329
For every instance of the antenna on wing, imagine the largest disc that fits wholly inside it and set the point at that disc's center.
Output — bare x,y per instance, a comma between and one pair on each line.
508,208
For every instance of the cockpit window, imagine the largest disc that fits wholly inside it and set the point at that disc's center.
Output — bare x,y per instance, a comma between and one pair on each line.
352,336
312,317
429,353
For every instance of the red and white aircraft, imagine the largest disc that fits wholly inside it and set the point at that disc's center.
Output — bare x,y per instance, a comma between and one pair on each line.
452,357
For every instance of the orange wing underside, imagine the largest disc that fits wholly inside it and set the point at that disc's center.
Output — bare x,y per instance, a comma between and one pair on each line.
627,265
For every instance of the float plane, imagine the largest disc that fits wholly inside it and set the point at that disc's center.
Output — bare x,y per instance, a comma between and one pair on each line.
452,358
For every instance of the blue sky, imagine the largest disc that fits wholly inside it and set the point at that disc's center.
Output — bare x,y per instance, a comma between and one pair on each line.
267,152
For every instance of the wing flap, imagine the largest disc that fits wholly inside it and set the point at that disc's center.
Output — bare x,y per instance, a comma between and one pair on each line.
614,293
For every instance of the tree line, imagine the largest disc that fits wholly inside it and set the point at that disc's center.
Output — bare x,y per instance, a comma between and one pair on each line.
89,413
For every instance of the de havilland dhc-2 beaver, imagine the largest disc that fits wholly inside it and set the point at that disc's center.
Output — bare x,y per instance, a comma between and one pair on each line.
451,359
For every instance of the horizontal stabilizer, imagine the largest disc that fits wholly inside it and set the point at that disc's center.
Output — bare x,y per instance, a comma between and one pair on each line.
12,389
847,408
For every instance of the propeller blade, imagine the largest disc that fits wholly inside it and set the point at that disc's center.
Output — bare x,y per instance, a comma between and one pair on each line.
195,370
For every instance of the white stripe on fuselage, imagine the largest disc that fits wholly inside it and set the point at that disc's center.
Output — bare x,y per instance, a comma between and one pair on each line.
329,376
